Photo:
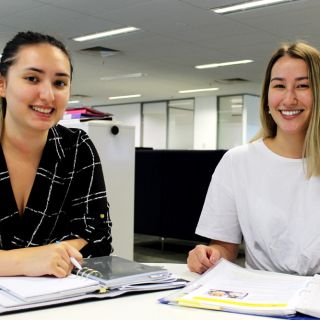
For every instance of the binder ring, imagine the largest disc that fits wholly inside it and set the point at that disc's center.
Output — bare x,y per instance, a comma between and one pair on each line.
86,272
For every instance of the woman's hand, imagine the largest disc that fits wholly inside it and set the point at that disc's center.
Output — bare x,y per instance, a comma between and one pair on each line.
202,257
52,259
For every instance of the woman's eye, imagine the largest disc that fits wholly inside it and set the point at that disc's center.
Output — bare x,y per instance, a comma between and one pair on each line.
278,85
303,85
60,83
32,79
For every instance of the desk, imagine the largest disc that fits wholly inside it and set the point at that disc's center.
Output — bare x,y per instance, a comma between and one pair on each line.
143,306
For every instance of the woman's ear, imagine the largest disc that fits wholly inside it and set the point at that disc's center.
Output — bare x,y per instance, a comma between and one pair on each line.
2,86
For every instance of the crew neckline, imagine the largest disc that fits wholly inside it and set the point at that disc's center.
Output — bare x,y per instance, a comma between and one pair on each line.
267,150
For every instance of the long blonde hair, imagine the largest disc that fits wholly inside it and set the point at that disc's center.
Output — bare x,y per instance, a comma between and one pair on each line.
311,149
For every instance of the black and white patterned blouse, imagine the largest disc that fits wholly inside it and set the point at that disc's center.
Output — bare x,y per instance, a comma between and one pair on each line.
68,199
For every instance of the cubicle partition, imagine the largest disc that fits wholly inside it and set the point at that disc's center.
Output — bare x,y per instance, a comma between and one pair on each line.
170,188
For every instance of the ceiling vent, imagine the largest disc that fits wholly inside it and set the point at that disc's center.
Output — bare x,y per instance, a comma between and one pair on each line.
231,80
102,51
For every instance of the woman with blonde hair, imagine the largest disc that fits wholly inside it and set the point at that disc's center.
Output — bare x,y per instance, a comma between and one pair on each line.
266,192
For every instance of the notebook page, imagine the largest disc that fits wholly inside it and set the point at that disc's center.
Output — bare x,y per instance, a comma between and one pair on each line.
46,288
8,300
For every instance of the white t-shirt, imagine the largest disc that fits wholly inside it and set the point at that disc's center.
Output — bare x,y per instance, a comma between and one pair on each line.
268,200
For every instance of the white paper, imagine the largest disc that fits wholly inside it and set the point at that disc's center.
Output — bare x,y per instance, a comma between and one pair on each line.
44,288
233,288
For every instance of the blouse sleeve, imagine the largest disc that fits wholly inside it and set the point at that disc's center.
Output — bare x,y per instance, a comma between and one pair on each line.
89,207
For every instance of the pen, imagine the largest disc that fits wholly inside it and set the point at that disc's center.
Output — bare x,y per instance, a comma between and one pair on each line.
73,260
75,263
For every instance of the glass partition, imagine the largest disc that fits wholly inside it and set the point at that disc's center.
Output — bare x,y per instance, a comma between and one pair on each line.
230,109
238,120
180,124
154,125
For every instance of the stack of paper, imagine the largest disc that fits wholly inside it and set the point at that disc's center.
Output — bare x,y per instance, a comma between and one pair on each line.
103,277
228,287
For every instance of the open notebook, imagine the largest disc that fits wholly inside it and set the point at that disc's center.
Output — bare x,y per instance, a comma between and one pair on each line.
229,287
103,277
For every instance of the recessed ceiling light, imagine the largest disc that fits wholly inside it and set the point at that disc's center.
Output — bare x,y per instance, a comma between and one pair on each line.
236,100
106,34
198,90
248,5
73,101
222,64
125,97
124,76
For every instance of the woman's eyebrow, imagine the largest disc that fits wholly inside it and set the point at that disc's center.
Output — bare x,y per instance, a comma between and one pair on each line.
59,74
282,79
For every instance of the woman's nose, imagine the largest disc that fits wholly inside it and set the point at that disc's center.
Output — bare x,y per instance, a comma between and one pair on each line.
290,98
46,93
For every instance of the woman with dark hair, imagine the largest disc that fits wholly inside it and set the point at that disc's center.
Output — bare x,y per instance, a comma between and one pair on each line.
53,203
267,191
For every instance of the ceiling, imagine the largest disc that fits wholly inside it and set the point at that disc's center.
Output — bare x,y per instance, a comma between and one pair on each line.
175,36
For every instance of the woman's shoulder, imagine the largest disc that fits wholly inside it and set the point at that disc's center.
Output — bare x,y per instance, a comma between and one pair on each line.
68,139
245,150
68,135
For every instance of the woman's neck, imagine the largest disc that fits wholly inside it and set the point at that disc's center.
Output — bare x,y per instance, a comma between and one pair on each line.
23,143
289,146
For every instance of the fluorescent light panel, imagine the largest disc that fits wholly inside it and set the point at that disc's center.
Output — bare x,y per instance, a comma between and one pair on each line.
248,5
73,101
124,76
222,64
106,34
125,97
236,100
198,90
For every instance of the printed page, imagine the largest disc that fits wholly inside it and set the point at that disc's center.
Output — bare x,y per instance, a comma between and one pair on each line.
233,288
46,288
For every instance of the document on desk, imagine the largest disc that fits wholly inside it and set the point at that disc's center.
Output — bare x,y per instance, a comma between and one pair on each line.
99,278
228,287
36,289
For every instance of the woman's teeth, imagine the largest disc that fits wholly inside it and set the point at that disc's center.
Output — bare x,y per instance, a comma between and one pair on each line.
42,110
291,112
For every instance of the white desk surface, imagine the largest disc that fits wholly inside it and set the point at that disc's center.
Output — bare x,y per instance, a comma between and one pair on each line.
142,306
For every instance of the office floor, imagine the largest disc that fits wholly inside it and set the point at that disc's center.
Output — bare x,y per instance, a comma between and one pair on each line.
153,249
